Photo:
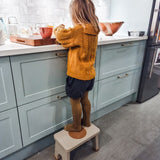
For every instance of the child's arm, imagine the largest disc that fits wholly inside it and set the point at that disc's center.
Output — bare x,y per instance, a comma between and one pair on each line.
66,36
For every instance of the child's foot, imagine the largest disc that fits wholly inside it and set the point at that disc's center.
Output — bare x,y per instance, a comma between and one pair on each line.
86,124
72,128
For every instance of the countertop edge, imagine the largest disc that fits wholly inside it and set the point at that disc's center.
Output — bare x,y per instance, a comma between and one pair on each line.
23,49
122,40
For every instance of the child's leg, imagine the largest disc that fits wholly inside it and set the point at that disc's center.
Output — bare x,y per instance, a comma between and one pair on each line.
76,112
86,107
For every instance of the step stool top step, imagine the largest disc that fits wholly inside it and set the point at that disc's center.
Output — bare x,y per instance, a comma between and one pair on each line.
69,143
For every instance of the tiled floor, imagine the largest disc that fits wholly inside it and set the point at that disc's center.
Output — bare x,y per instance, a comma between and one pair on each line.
129,133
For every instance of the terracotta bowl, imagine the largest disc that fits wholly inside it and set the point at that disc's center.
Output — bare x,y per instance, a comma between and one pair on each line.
46,32
109,28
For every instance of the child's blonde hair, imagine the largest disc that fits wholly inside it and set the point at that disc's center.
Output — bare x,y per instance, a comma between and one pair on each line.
83,12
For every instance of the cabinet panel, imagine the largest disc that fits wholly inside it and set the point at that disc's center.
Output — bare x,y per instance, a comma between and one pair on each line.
91,99
7,98
39,75
10,139
115,60
97,62
117,87
45,116
95,92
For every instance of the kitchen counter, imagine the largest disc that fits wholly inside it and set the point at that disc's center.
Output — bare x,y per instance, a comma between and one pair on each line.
10,49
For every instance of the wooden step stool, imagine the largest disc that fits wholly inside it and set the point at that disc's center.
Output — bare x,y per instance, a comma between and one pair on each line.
64,144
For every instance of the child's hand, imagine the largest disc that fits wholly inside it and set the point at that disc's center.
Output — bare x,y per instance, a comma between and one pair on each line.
61,26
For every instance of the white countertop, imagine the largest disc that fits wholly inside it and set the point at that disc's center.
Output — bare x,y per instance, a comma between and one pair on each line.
10,49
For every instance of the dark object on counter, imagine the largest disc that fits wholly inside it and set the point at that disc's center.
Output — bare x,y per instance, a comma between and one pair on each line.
136,33
32,41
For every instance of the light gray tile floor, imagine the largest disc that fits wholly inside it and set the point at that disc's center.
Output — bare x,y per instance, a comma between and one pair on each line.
129,133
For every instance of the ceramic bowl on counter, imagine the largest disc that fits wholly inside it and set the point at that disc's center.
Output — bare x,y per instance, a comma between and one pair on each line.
110,28
46,32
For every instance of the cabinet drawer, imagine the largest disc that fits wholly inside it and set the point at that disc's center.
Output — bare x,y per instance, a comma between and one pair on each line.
117,87
39,75
7,97
121,58
43,117
10,138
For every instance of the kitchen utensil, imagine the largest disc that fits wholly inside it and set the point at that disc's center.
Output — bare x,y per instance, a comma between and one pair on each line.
3,29
46,32
33,41
136,33
2,32
109,28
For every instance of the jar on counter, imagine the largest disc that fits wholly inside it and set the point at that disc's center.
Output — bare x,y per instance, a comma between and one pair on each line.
12,26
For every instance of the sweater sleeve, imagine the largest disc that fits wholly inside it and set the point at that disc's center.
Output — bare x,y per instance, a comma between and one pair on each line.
66,37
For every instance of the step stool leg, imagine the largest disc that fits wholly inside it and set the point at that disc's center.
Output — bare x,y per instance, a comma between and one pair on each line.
96,143
56,154
61,152
68,156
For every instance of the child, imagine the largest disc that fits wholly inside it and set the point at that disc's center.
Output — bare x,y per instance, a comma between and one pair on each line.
82,43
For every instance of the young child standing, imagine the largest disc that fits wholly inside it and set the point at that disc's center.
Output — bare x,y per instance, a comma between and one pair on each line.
82,42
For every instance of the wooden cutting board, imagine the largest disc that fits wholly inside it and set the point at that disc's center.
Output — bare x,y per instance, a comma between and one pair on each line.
33,41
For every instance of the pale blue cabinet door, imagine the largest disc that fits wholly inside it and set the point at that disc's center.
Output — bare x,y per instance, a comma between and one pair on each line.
7,97
10,138
40,75
120,58
95,92
117,87
91,99
43,117
97,62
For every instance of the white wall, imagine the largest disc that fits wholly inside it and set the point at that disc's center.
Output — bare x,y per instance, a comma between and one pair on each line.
45,11
103,8
135,14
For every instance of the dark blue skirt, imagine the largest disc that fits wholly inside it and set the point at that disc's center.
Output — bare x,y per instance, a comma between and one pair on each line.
76,88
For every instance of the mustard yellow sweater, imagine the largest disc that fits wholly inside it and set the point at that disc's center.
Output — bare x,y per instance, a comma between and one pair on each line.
82,43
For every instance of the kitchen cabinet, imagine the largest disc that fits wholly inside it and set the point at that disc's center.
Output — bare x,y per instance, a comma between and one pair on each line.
10,138
40,75
37,76
7,96
117,87
41,118
119,58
